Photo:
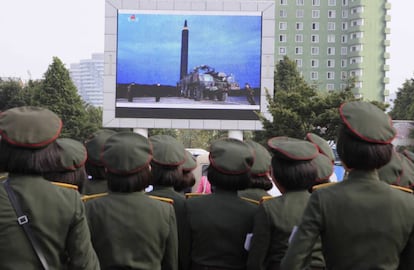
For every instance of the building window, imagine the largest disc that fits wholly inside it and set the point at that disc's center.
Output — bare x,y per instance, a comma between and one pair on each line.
282,38
357,10
299,26
331,14
299,13
315,13
344,75
330,63
356,35
315,38
300,2
299,38
314,50
344,50
316,3
315,26
331,38
345,13
314,63
314,75
282,50
298,62
330,87
356,48
331,51
344,25
343,63
282,25
330,75
344,2
283,2
332,3
282,13
358,22
331,26
299,50
344,39
358,85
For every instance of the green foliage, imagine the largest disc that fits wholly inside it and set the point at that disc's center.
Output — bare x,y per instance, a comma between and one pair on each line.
58,93
404,103
298,108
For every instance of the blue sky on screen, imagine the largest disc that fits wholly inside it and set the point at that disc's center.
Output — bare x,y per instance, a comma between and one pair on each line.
149,46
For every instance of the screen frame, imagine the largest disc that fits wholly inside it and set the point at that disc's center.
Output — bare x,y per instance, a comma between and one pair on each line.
180,118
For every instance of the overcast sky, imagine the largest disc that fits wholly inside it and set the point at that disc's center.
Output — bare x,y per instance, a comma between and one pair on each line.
32,32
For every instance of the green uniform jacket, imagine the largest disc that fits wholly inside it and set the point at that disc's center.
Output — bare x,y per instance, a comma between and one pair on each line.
273,226
57,221
94,186
253,193
364,224
133,231
179,208
219,223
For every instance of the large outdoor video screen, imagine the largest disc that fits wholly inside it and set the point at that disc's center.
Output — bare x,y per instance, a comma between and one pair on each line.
188,65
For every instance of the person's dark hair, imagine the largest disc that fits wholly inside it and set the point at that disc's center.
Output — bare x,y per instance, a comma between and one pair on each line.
29,161
165,175
186,182
361,155
129,183
226,181
262,182
294,175
96,173
77,177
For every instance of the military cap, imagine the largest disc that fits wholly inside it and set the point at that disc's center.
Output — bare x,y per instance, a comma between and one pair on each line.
168,151
29,127
322,144
292,149
94,145
231,156
262,160
190,162
407,176
367,122
126,153
73,153
408,154
324,166
391,172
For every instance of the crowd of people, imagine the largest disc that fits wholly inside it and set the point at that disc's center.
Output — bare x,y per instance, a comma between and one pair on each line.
66,204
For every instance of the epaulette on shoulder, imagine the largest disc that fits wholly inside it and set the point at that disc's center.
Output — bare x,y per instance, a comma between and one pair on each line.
93,196
163,199
409,190
266,198
65,185
250,200
193,194
3,177
324,185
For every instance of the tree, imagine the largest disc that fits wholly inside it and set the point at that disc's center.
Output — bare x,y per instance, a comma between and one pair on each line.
58,93
298,108
404,103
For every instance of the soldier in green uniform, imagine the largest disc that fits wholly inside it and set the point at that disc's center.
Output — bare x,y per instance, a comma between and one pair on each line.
398,172
294,171
259,174
72,173
221,222
168,158
129,229
364,223
96,183
188,180
55,216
